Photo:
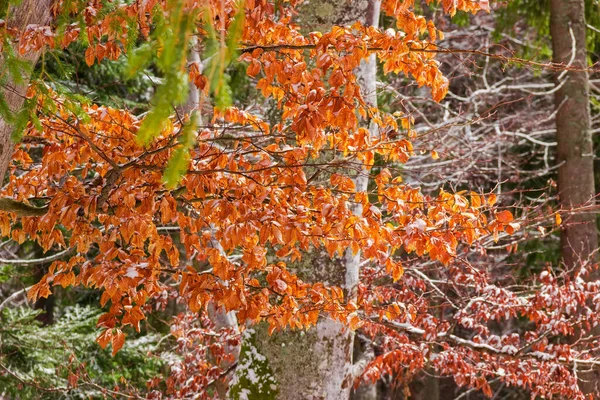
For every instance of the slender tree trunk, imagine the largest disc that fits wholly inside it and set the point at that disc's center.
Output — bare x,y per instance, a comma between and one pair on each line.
367,78
579,240
363,352
318,364
193,100
28,12
219,317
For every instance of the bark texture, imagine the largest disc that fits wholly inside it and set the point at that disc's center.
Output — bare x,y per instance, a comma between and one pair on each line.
579,239
314,364
318,364
28,12
321,15
193,99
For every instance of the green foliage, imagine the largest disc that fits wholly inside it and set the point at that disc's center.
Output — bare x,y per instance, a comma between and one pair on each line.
25,115
16,67
219,56
536,13
461,19
4,8
139,59
67,72
12,71
7,271
42,359
173,91
168,50
169,42
178,164
539,253
176,167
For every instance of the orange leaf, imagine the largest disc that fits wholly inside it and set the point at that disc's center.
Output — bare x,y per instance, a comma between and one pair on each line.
557,219
90,55
104,338
253,68
38,291
118,340
354,321
504,216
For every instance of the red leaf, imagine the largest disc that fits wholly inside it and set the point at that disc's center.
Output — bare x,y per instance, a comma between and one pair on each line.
504,216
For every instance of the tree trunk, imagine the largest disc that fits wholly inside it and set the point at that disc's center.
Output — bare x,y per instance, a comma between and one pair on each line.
364,350
318,364
193,100
426,386
28,12
313,364
46,305
579,240
219,317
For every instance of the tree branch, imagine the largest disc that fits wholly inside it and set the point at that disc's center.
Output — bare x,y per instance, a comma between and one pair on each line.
21,209
35,261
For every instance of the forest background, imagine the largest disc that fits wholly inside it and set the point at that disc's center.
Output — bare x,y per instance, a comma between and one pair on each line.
282,199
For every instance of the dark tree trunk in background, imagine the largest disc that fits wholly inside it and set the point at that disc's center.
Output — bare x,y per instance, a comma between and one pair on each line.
46,305
579,240
28,12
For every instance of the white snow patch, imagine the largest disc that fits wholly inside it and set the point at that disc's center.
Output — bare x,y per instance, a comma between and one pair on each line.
132,272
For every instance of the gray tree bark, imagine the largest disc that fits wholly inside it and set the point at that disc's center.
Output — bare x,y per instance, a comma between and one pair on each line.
28,12
579,239
318,364
314,364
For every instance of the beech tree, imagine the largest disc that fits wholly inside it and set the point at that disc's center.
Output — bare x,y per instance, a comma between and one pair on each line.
253,198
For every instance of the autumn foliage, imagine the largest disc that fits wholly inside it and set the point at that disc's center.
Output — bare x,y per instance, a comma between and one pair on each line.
222,205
